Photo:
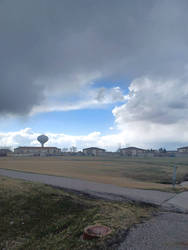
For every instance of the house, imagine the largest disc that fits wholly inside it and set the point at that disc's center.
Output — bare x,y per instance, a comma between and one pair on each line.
37,151
183,150
94,151
4,151
132,151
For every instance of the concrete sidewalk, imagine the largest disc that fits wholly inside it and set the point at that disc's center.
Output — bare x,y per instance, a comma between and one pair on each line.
178,203
168,201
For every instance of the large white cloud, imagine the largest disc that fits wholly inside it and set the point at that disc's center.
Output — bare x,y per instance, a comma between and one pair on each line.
140,134
155,112
27,137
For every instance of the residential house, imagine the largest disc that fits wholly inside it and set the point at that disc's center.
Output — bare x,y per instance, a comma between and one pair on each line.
183,150
132,151
37,151
94,151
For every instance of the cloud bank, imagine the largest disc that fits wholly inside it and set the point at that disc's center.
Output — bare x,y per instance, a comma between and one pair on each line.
27,137
137,135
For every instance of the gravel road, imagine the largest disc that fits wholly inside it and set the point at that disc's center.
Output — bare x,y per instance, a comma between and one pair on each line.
167,231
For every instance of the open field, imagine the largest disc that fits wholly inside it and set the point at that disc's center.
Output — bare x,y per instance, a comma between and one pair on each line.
35,216
146,173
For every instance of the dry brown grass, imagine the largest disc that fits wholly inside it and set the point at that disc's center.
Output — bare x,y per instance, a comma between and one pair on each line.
133,173
35,216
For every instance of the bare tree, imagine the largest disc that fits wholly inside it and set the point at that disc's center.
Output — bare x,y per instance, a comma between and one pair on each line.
65,149
73,149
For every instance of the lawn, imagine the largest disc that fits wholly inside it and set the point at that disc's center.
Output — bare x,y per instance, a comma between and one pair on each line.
146,173
35,216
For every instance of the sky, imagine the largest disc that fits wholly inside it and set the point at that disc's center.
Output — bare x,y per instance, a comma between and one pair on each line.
94,73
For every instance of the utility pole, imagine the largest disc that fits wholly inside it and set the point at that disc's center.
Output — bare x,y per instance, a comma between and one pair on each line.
174,177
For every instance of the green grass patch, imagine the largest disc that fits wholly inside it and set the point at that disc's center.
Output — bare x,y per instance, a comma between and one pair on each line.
36,216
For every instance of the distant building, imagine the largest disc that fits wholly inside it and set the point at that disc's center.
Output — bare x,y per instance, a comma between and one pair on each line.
94,151
37,151
132,151
183,150
4,151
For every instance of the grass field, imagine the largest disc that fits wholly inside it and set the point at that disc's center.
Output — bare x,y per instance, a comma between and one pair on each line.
146,173
36,216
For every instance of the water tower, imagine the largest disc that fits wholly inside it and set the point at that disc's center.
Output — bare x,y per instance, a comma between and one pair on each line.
42,139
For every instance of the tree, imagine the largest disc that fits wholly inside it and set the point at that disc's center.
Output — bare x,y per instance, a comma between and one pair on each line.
65,149
162,150
73,149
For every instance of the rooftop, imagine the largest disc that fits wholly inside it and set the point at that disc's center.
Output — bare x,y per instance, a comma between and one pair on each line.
36,147
91,148
183,147
130,148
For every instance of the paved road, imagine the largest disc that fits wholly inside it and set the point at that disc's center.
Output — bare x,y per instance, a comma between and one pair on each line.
167,231
168,201
94,188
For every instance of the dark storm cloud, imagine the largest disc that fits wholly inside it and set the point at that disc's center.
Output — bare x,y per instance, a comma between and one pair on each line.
155,101
41,41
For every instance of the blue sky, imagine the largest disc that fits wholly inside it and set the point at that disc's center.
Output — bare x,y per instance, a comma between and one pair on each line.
74,122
